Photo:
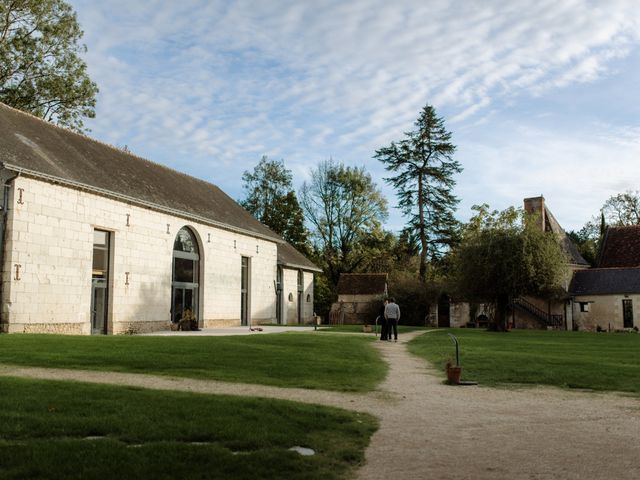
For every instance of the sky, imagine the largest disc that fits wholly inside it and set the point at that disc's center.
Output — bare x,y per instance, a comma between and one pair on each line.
541,97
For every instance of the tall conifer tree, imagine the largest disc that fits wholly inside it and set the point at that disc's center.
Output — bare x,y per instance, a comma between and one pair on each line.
423,168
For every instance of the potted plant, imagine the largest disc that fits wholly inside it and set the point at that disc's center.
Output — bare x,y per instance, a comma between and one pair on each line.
188,321
453,373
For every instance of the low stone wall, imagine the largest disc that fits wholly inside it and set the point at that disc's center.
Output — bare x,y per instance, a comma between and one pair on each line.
120,328
351,313
221,323
54,328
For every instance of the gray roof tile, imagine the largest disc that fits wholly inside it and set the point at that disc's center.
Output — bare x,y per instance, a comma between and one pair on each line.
42,150
605,281
290,257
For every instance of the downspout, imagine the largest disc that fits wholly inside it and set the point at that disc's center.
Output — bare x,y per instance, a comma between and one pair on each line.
3,229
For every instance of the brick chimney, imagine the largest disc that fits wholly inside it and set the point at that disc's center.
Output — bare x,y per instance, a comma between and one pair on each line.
536,205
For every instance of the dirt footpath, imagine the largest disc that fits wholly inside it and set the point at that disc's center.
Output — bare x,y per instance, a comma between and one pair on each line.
433,431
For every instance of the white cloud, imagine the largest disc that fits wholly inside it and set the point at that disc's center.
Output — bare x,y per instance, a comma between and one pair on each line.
211,85
575,173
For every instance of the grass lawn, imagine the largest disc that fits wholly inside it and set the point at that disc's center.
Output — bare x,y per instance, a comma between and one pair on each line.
305,360
66,430
597,361
358,329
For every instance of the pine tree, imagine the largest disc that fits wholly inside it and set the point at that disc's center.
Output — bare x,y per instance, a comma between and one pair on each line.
424,167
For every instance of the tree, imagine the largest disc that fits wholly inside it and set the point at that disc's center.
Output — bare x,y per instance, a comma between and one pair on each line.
504,255
587,240
344,206
272,200
622,209
423,165
619,210
41,71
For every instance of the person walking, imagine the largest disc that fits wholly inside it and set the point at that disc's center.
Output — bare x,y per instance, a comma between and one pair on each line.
384,326
392,314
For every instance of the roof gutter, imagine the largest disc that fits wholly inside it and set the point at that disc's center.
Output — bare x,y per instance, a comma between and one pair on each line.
136,201
300,267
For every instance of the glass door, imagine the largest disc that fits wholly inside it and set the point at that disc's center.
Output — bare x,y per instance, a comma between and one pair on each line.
98,306
184,298
279,296
244,292
100,282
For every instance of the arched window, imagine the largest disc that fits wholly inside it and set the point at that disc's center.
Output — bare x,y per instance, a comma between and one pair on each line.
186,266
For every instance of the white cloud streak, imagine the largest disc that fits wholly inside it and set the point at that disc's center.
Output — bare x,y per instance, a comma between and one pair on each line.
209,86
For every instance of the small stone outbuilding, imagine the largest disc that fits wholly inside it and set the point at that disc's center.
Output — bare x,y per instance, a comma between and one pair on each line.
360,296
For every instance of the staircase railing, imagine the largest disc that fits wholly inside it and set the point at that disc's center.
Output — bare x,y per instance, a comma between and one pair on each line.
550,320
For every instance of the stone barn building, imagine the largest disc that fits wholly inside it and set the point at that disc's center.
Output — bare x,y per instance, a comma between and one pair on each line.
96,240
360,296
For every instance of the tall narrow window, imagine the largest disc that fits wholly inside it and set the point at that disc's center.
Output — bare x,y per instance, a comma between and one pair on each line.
279,296
244,291
627,313
300,293
100,282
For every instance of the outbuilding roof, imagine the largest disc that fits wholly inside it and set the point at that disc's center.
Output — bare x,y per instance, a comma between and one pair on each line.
290,257
362,284
605,281
620,247
39,149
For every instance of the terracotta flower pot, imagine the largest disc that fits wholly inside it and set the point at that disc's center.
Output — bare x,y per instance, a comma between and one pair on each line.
453,374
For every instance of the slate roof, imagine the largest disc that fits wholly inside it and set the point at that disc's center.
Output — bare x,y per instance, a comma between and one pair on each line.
38,149
290,257
362,284
605,281
620,247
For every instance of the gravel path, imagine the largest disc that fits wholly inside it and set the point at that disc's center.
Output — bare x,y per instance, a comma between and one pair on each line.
433,431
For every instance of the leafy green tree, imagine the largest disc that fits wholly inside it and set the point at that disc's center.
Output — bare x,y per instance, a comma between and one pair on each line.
619,210
587,241
622,209
505,255
345,207
271,199
378,252
324,294
423,168
41,71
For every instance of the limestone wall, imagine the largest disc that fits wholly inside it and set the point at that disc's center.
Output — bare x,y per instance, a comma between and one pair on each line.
605,311
46,281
